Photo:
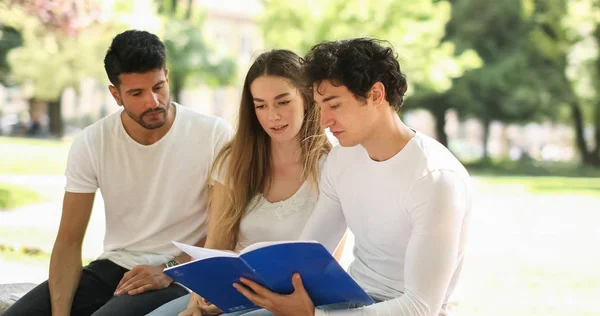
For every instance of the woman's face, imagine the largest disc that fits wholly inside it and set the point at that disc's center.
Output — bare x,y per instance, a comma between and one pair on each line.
279,107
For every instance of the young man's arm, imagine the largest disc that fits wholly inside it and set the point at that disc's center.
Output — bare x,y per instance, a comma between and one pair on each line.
438,209
327,223
65,262
80,190
441,201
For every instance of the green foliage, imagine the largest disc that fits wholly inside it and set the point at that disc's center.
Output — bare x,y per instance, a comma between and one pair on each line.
522,46
9,39
190,58
414,28
50,61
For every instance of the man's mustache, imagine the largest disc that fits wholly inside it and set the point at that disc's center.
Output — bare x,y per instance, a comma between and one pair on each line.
159,109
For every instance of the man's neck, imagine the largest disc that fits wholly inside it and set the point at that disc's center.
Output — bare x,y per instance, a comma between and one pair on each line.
388,137
148,136
285,153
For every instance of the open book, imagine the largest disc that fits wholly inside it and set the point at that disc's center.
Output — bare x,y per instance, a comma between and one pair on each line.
212,273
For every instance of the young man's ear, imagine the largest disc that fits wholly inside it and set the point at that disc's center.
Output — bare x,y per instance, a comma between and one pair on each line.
115,94
167,75
377,93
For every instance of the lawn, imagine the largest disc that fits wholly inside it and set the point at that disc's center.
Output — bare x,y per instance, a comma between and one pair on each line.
33,156
13,196
531,250
545,185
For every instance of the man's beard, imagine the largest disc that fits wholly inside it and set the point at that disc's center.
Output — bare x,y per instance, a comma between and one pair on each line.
140,119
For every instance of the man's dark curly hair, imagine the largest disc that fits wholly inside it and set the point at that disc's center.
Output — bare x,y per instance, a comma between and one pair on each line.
357,64
133,51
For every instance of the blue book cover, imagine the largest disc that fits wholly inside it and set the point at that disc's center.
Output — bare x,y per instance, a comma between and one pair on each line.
270,264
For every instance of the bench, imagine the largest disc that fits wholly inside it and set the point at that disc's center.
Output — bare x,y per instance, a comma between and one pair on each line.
6,290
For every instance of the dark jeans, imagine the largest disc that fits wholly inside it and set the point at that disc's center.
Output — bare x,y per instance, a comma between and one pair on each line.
94,295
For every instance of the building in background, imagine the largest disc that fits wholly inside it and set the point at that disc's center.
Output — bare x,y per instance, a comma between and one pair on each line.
231,27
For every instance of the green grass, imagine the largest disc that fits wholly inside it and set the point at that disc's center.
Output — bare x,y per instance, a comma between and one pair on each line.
32,156
42,238
29,255
531,168
548,185
10,253
12,196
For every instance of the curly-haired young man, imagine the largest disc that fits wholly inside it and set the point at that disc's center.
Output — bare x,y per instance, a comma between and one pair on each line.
405,197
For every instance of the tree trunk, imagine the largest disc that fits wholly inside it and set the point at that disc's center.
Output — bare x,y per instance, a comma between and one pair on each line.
176,85
596,152
586,156
440,127
486,137
505,143
56,120
188,12
173,7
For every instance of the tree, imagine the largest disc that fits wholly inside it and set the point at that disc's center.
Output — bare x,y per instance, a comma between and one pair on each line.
60,48
520,80
9,39
190,58
583,70
414,28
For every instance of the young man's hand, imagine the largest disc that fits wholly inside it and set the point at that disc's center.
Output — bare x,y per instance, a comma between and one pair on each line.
297,303
143,278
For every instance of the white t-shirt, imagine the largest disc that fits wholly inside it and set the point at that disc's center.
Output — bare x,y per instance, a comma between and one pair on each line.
410,217
152,194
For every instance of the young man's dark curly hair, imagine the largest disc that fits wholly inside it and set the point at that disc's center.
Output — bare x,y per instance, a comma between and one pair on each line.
357,64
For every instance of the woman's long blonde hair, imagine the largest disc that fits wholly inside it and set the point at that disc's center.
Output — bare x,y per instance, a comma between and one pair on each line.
244,164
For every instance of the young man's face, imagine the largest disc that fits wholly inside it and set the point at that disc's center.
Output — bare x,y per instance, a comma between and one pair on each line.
348,118
145,97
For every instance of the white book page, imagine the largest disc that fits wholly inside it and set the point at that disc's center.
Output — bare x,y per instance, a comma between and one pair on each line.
265,244
199,253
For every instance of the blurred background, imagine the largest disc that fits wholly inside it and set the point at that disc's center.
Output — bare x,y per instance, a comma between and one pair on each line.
510,86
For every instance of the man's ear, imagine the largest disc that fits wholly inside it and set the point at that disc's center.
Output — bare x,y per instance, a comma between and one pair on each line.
167,75
114,91
377,93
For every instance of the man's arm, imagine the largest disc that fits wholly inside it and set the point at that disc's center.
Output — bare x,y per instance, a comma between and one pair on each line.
65,262
440,203
327,223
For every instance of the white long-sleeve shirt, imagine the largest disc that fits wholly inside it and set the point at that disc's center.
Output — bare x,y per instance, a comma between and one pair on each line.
409,215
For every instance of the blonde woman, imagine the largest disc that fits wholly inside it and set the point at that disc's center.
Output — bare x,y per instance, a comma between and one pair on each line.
265,181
